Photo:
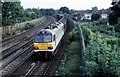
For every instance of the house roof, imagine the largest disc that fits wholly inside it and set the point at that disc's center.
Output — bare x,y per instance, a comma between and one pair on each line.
102,11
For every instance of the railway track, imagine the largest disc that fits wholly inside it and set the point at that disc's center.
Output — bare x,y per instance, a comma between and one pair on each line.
16,47
43,69
39,67
14,40
18,61
20,39
30,71
16,55
10,39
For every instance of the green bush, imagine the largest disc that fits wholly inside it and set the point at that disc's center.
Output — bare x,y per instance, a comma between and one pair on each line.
28,26
92,68
74,48
73,60
102,56
6,35
73,63
103,52
71,66
113,41
73,35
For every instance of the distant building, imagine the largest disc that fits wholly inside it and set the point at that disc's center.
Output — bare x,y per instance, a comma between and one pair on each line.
104,13
86,14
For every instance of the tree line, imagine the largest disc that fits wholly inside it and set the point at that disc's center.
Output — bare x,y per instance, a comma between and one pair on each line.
13,12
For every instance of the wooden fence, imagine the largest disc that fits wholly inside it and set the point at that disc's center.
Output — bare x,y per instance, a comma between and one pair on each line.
13,28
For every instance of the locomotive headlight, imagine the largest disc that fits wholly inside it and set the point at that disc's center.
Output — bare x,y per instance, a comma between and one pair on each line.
50,46
36,46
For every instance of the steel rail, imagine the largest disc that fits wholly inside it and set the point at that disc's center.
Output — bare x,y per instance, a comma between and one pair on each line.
14,48
20,52
30,71
26,55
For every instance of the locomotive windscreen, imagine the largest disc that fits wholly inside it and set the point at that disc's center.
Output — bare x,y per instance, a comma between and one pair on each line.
47,38
38,38
43,38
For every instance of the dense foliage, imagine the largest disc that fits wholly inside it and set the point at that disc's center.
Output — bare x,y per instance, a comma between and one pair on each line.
48,11
102,53
13,12
113,17
115,13
95,16
70,65
116,8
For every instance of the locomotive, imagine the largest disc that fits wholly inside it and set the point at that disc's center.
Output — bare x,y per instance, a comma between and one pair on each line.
47,40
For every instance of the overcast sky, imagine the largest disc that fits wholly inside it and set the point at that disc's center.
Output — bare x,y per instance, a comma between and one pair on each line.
71,4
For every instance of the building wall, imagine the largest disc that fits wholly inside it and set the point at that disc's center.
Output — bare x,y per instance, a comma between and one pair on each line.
104,16
87,16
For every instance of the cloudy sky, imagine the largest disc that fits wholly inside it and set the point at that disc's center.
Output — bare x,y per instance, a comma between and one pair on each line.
71,4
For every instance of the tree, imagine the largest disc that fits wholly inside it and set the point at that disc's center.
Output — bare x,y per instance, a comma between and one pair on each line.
11,12
113,17
64,9
95,16
49,11
115,12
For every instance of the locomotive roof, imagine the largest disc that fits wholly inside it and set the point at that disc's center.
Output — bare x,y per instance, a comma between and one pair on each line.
52,30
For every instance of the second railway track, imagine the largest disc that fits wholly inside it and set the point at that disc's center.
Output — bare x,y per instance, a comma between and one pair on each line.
13,65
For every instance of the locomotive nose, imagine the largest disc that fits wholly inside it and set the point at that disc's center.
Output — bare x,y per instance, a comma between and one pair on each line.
43,46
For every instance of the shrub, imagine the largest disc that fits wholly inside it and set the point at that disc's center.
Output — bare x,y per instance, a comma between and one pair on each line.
28,26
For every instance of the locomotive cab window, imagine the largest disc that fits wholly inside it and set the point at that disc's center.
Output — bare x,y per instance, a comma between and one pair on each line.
47,38
43,38
38,38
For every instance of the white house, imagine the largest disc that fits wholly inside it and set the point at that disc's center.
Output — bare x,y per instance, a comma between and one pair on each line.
104,16
87,16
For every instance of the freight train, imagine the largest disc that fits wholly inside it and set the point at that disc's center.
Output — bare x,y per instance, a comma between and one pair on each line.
47,40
